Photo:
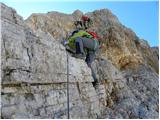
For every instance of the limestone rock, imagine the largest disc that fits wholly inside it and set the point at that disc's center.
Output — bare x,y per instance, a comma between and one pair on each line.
156,52
77,14
34,69
34,76
122,46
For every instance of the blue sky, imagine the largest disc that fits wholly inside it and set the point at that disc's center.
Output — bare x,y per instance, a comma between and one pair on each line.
140,16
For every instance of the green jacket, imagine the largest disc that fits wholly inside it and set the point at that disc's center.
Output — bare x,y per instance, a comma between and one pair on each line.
81,33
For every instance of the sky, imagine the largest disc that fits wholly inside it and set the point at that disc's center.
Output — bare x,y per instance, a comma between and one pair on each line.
139,15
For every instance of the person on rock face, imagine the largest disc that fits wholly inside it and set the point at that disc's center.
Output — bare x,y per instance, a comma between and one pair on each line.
87,22
86,44
84,23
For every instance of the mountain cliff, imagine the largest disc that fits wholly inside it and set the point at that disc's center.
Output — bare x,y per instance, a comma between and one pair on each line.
34,69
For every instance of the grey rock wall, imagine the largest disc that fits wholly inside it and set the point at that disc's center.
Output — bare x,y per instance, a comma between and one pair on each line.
34,75
34,70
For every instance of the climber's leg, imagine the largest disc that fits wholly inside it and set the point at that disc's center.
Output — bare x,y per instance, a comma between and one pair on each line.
78,24
89,59
89,44
85,24
79,46
81,24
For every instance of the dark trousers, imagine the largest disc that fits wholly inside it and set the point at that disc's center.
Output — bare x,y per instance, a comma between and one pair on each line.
89,59
85,43
88,44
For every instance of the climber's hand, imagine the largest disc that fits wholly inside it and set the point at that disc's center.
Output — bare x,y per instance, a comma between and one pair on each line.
65,42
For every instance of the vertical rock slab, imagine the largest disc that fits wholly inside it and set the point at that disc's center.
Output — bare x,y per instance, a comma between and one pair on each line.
34,75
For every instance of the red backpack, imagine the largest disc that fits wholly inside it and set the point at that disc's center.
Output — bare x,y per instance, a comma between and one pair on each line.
85,18
94,35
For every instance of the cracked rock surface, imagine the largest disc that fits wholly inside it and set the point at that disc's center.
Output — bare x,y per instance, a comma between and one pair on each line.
34,69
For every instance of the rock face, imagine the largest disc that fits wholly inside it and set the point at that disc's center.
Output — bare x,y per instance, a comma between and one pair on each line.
34,69
34,75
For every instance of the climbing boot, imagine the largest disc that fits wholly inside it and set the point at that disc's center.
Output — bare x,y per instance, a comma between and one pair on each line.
80,56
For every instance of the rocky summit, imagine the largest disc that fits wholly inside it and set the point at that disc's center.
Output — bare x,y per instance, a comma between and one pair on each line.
34,69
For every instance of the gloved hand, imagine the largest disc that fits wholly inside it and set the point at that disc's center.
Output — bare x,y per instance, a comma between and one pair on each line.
65,42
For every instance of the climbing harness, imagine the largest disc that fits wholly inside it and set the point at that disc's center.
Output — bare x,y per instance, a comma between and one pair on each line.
68,115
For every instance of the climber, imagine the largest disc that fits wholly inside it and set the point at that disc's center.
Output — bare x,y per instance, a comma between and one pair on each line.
87,22
86,44
84,23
